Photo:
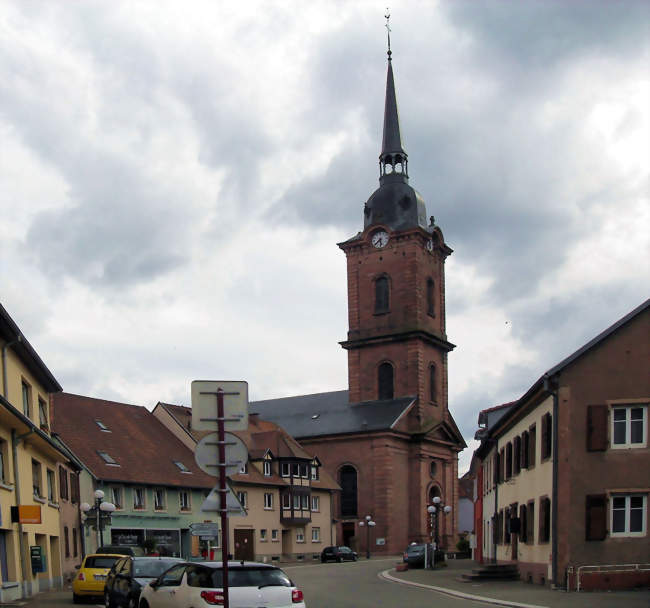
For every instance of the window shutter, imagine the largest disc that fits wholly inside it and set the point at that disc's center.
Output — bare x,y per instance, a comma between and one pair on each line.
596,517
530,523
532,442
596,428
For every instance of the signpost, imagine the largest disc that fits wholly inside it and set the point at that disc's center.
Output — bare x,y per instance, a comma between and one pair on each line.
206,454
231,400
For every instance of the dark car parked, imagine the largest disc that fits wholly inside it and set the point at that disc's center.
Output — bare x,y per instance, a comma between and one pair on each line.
414,555
129,575
122,550
338,554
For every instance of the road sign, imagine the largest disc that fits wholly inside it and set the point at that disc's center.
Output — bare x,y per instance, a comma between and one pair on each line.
204,405
212,503
211,529
207,454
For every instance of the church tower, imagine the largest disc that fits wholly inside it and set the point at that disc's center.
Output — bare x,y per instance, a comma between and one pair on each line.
397,343
390,441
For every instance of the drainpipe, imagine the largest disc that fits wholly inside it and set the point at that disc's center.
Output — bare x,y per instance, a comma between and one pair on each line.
15,440
5,388
496,503
550,385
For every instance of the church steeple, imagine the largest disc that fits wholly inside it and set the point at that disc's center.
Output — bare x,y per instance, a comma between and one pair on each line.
393,160
394,204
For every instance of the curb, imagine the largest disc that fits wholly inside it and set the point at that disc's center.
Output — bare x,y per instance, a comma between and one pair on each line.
453,593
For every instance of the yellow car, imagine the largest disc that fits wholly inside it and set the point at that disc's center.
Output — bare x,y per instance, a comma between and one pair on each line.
91,578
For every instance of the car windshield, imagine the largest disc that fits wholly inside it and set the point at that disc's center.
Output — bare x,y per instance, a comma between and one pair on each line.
345,550
238,577
100,561
151,568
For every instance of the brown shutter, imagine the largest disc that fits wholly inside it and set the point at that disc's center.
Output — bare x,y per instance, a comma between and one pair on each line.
596,428
532,442
596,517
530,523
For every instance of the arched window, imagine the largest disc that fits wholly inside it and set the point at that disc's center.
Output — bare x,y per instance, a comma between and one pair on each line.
433,385
431,300
382,294
433,492
348,483
385,381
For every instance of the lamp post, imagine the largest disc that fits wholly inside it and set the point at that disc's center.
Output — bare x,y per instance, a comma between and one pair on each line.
434,511
100,507
368,523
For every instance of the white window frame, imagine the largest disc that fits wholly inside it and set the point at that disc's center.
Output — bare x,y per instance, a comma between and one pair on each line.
51,485
286,501
304,502
275,536
117,498
143,506
300,535
267,468
315,503
268,501
163,503
243,498
628,407
296,502
263,537
185,505
644,514
285,469
315,535
244,469
314,473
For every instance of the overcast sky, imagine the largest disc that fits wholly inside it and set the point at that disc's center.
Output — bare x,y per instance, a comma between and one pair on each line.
174,178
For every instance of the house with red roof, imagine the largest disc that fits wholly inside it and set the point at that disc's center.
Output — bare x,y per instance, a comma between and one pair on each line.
286,492
145,470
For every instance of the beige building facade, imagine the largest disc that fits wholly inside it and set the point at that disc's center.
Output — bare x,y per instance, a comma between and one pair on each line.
30,543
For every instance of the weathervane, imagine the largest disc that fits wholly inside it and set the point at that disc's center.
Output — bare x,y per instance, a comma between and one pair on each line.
387,16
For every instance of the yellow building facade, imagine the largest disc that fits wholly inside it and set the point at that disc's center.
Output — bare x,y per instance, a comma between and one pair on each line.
30,551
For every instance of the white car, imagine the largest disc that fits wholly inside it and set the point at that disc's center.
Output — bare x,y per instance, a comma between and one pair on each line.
200,585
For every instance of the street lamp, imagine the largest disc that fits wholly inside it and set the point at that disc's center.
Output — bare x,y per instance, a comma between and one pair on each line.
368,523
434,511
96,511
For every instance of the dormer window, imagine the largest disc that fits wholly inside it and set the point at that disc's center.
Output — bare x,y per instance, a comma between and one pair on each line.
267,468
181,466
107,458
244,469
102,426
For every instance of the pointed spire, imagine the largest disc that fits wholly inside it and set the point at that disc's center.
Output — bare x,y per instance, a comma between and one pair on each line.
393,159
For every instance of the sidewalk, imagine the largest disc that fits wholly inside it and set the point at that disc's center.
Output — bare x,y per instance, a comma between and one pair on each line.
515,592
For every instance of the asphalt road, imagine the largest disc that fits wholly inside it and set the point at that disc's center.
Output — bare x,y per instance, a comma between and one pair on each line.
356,585
332,585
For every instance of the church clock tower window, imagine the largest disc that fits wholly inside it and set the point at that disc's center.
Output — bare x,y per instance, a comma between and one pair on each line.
431,302
433,388
385,381
382,295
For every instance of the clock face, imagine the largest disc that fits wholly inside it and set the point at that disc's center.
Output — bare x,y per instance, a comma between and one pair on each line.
380,239
430,245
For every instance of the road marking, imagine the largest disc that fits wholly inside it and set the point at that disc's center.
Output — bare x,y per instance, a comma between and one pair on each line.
451,592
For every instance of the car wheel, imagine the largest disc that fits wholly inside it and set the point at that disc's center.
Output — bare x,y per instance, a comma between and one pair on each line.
143,604
76,599
322,560
132,603
339,560
354,559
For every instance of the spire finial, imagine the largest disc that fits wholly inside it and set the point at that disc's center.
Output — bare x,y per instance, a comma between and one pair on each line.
387,16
